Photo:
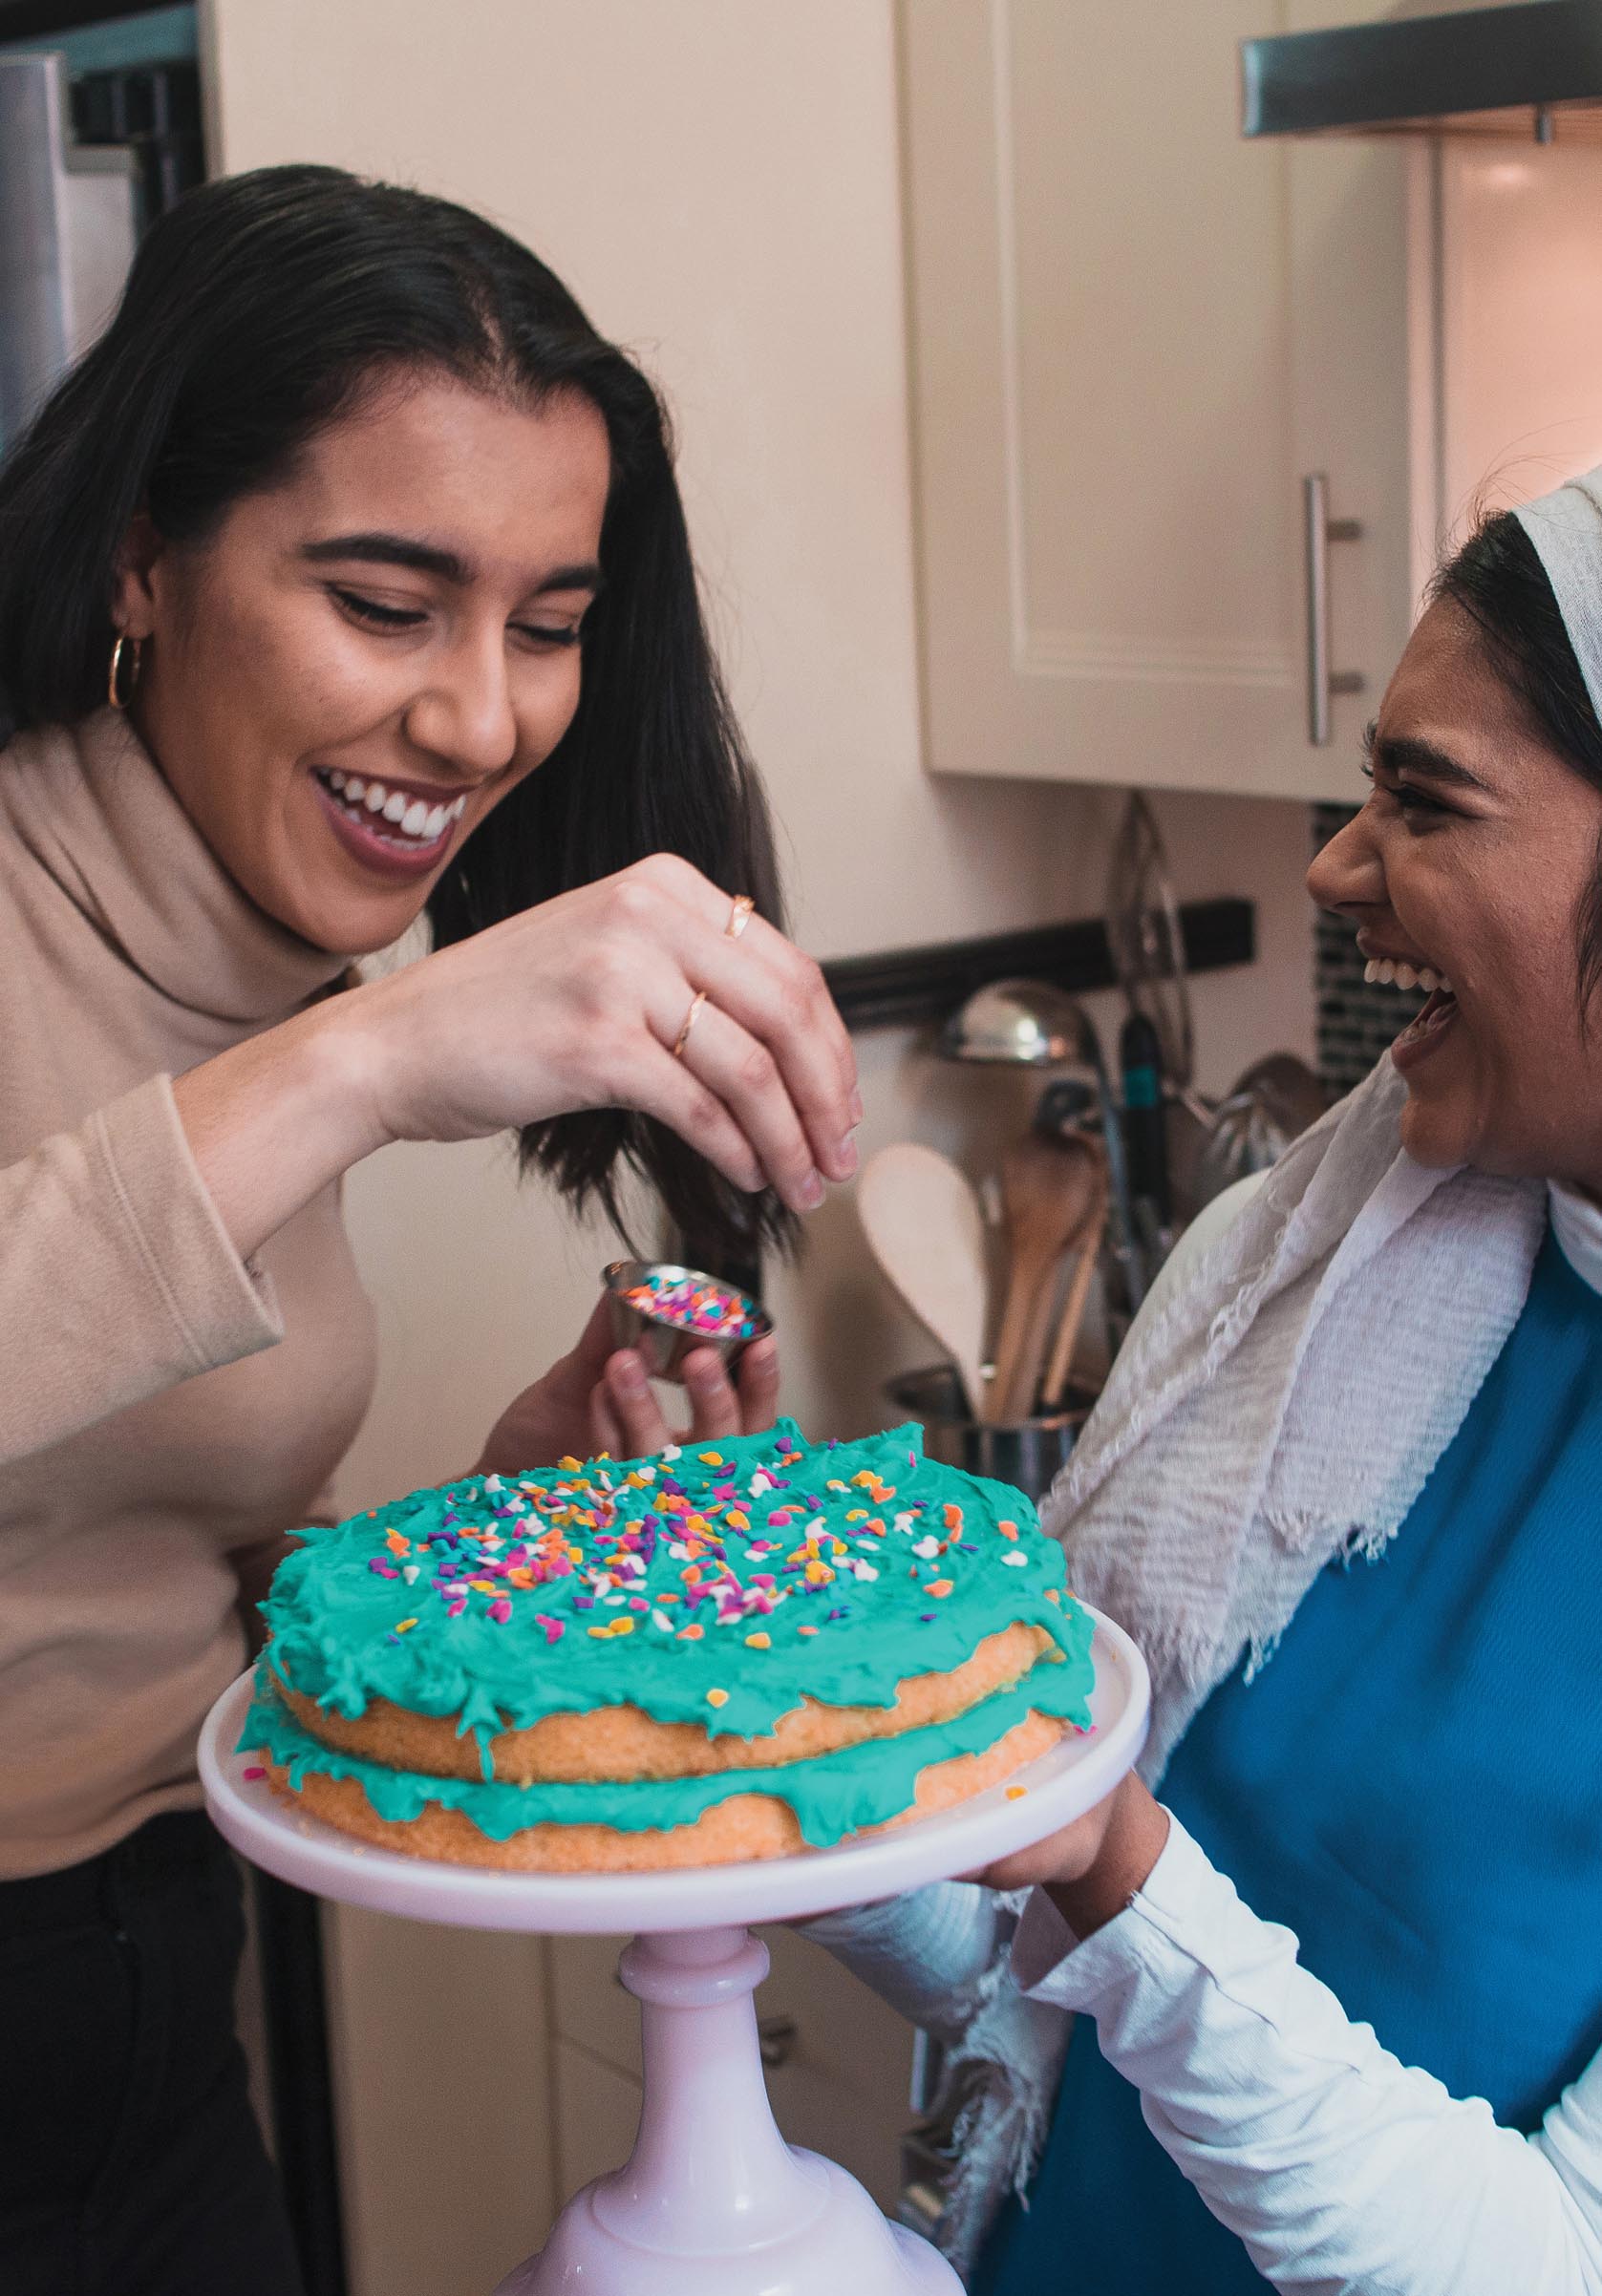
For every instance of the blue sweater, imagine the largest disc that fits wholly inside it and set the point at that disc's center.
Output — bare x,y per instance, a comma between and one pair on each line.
1414,1786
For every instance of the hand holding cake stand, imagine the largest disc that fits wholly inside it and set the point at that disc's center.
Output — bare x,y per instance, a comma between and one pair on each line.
712,2202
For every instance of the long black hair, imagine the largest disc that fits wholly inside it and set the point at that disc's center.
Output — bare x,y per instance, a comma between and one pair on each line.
1498,580
256,310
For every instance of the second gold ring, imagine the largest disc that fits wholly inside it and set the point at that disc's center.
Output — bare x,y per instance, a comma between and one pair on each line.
689,1020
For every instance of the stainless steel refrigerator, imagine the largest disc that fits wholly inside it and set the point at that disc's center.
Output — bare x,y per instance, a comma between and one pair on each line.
67,221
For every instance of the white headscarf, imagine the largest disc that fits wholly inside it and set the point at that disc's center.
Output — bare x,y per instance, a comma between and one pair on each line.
1288,1401
1565,527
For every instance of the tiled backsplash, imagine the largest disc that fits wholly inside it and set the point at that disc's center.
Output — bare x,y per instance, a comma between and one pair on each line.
1355,1023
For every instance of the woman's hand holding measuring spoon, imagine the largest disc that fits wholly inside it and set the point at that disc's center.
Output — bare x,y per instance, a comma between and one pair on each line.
597,1397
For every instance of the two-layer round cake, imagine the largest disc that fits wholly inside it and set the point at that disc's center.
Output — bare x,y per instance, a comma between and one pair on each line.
727,1651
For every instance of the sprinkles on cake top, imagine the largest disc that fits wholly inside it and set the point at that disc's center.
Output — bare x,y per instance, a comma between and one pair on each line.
468,1600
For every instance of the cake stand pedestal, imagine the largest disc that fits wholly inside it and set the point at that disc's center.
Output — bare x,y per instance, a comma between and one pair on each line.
712,2201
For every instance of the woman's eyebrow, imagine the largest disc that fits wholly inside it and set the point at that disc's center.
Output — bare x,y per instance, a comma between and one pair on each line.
1408,753
429,558
583,576
390,550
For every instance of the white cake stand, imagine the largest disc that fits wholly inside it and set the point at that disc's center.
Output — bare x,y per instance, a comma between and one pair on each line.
712,2202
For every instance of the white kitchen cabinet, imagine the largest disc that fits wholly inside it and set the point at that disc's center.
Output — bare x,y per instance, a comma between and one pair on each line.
442,2034
597,2111
1507,263
1133,334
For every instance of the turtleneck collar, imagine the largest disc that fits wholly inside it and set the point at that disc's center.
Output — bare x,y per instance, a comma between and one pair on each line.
90,803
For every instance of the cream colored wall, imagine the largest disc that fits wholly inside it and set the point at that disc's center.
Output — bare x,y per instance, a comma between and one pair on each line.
718,180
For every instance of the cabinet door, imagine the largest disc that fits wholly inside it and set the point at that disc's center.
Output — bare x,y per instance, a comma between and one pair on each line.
1517,272
1132,334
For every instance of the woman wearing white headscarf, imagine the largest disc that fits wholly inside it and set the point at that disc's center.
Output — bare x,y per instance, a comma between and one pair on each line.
1339,1994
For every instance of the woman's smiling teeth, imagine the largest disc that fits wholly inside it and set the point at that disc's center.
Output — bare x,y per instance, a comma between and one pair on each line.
1391,974
412,820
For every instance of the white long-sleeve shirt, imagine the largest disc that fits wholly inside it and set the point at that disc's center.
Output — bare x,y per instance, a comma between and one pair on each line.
1345,2172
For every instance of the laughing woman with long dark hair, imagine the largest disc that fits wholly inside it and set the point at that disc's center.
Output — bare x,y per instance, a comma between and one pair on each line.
344,583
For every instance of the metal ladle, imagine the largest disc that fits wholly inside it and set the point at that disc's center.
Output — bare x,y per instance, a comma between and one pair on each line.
1027,1023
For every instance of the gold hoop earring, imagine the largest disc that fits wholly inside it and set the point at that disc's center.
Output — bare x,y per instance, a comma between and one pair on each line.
117,693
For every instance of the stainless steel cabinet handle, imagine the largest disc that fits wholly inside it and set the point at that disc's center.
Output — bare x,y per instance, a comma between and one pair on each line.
1318,531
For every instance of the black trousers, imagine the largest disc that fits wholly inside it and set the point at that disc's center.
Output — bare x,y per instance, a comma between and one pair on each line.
130,2159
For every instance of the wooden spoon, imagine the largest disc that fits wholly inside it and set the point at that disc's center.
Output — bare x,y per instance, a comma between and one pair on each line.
923,1222
1089,1246
1049,1187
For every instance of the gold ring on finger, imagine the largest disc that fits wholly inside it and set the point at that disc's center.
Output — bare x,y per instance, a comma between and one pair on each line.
696,1001
739,917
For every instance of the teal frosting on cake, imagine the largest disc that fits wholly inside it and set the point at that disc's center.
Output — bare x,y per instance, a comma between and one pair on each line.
720,1584
832,1796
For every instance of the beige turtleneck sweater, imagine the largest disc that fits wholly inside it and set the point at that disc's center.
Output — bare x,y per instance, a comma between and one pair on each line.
164,1408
